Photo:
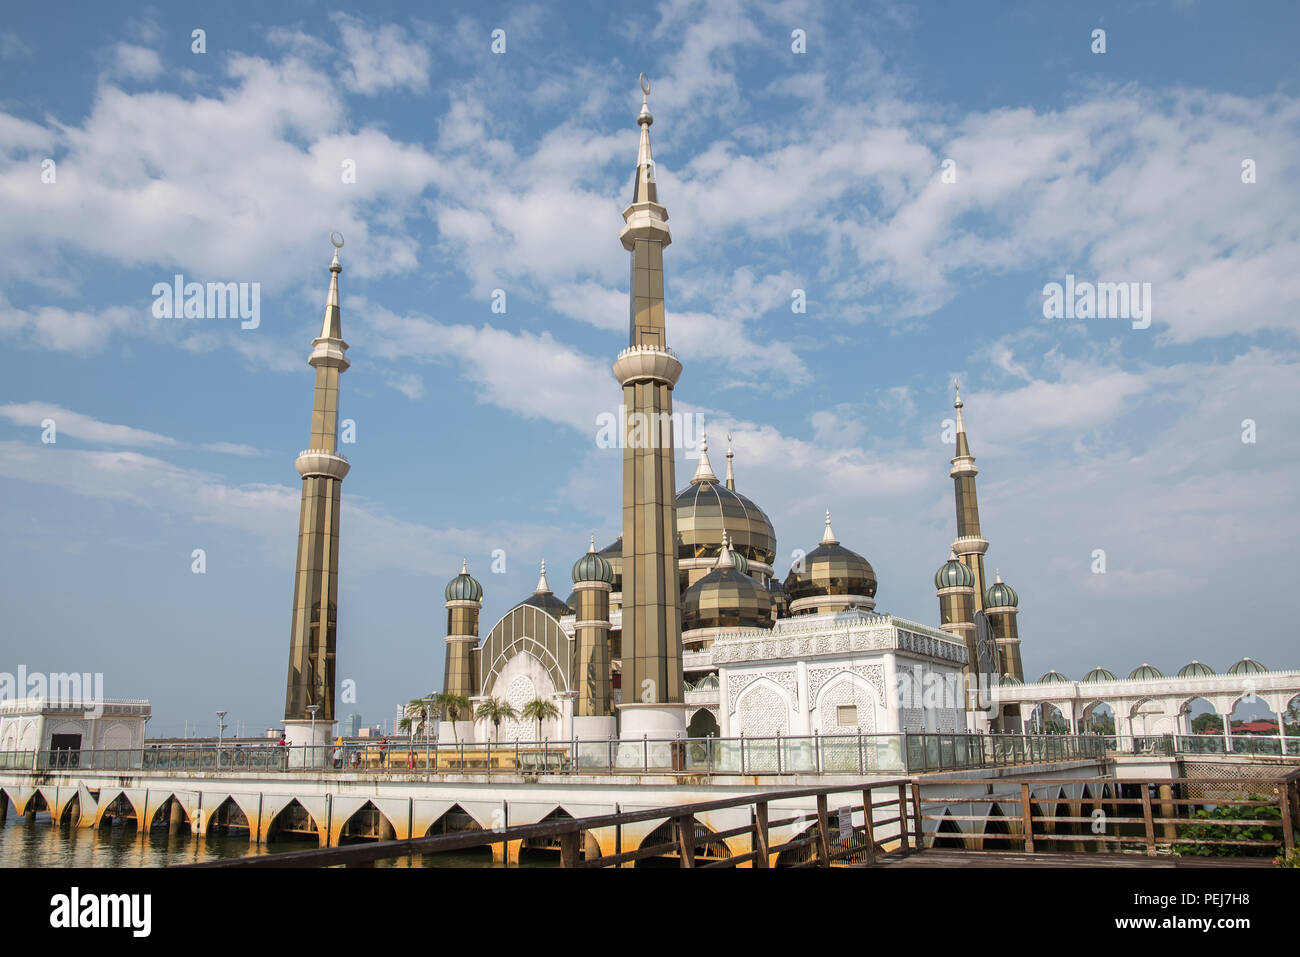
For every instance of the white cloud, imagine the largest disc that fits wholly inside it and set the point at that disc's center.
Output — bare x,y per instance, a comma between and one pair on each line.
381,59
132,62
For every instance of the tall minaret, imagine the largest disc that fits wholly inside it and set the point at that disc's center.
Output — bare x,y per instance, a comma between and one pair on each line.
309,697
648,370
970,546
464,600
593,710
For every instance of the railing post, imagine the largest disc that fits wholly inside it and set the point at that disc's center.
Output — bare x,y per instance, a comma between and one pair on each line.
919,838
1146,819
611,756
1027,817
742,752
569,849
760,834
645,753
686,839
902,817
868,825
817,751
860,769
778,752
823,839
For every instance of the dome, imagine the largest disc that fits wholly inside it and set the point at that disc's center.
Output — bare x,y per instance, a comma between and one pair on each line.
1247,666
1194,669
1007,679
464,587
954,574
1001,595
726,598
592,567
706,509
1099,674
780,601
1145,673
831,569
1053,678
613,553
543,598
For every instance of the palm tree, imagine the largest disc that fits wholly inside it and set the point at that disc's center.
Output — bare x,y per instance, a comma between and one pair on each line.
539,710
452,705
496,711
415,717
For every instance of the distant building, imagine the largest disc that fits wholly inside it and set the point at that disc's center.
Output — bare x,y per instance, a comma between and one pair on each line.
352,726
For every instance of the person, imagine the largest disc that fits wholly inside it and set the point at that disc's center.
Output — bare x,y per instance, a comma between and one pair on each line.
383,751
338,755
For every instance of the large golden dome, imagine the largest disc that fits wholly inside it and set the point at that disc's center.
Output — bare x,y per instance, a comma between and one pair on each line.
708,508
726,598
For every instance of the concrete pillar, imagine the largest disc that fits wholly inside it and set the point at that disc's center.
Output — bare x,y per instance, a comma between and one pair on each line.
4,806
506,852
174,816
1167,810
1281,732
1227,731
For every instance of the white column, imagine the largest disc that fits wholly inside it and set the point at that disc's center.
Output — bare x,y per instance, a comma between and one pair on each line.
803,721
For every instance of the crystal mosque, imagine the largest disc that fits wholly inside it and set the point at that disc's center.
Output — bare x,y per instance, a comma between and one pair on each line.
684,625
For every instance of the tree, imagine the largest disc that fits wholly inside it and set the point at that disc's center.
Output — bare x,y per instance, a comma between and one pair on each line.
1207,721
415,717
453,706
539,710
1235,832
496,711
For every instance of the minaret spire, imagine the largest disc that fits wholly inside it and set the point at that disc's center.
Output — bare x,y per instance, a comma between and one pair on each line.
543,587
653,693
309,694
731,476
828,536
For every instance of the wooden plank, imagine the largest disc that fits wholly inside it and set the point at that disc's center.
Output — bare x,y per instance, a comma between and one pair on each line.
1288,828
823,839
902,817
569,849
1148,824
868,826
759,844
1027,818
686,839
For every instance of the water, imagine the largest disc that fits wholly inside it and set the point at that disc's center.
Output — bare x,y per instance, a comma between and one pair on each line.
41,843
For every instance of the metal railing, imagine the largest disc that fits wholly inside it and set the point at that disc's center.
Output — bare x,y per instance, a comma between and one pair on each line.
778,755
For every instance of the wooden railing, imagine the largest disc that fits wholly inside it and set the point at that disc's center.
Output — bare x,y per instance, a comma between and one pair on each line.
890,813
1157,815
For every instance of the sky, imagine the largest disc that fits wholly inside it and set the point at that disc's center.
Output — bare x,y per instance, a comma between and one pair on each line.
915,174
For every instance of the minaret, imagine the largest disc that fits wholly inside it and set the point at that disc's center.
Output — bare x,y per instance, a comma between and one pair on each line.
647,370
1002,605
310,686
593,710
731,475
970,546
464,599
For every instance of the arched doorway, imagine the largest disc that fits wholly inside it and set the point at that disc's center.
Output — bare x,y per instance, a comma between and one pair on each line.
367,823
293,823
703,725
228,820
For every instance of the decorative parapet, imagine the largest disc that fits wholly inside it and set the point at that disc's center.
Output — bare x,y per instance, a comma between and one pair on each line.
845,632
325,462
329,352
655,363
970,544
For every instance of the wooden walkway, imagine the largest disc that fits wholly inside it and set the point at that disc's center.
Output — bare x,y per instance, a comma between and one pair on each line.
942,857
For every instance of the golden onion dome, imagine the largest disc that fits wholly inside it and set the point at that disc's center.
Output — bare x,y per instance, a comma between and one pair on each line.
726,598
831,570
707,509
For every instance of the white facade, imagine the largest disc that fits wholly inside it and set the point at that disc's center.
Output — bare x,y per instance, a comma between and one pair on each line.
31,724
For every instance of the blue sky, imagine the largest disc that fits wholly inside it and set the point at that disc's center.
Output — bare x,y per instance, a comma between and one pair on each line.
478,171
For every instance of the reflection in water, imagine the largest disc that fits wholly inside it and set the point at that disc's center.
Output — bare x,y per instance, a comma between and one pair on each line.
41,843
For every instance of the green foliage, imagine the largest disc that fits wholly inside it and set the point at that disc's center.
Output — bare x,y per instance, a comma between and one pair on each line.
496,711
539,709
1208,721
1288,860
414,717
1241,832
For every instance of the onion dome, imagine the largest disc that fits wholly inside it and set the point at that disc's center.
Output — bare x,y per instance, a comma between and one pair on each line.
1194,669
591,567
954,573
780,601
1247,666
742,563
725,598
464,587
613,553
1145,673
1006,679
1099,674
830,569
707,508
1053,678
1000,595
543,599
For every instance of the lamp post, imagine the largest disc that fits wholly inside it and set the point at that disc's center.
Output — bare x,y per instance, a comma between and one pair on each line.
221,727
428,705
312,709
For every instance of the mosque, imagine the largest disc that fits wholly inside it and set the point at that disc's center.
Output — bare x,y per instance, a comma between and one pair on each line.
682,625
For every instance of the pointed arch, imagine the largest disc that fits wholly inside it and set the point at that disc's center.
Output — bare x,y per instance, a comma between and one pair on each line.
293,822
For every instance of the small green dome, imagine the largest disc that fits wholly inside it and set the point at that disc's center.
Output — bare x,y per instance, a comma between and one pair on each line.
1098,674
1195,669
1007,679
1247,666
1000,595
954,574
1145,673
1054,678
592,567
464,587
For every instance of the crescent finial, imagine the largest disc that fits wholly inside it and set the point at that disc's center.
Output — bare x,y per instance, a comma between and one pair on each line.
645,85
337,240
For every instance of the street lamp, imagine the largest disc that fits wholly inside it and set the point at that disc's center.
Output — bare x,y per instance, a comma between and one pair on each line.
428,704
221,727
312,709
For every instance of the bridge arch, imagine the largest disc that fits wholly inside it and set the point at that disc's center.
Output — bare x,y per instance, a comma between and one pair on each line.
670,832
366,823
117,806
293,822
228,814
